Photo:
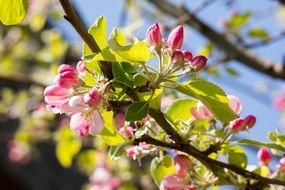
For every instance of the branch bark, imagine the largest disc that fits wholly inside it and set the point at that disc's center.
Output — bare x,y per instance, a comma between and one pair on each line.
234,51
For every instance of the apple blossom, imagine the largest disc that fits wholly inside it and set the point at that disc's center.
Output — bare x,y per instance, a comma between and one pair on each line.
235,104
237,125
172,182
93,98
199,62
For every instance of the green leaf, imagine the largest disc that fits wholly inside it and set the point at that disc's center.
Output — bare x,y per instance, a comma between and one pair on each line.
98,30
108,55
231,71
238,20
137,111
210,95
121,76
68,145
13,11
263,171
155,100
161,168
109,133
180,109
237,156
259,144
137,52
259,33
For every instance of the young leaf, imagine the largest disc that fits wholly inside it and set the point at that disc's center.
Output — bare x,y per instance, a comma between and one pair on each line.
237,156
109,133
13,11
98,30
259,144
259,33
137,52
210,95
238,20
180,109
161,168
155,100
137,111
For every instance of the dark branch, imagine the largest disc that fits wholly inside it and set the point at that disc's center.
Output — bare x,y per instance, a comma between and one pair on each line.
232,50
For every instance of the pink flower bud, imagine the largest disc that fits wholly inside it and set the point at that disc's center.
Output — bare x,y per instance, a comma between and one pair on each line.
56,95
178,58
264,156
126,131
250,121
80,67
76,101
67,79
187,55
84,125
93,98
200,111
237,125
235,104
65,68
175,38
182,164
153,35
172,182
199,62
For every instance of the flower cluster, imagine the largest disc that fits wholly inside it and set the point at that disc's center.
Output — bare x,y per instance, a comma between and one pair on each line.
180,58
71,96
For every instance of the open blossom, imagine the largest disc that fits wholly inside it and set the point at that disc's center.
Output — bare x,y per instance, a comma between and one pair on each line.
182,164
84,124
264,156
153,35
175,38
138,151
235,104
200,111
172,182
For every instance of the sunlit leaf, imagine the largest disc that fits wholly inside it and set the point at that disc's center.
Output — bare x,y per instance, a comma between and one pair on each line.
237,156
109,133
259,33
13,11
180,109
210,95
137,52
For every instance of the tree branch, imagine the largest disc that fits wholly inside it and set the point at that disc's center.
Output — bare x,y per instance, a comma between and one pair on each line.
233,50
72,17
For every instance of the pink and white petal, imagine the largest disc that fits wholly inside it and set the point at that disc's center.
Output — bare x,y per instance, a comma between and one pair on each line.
96,123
